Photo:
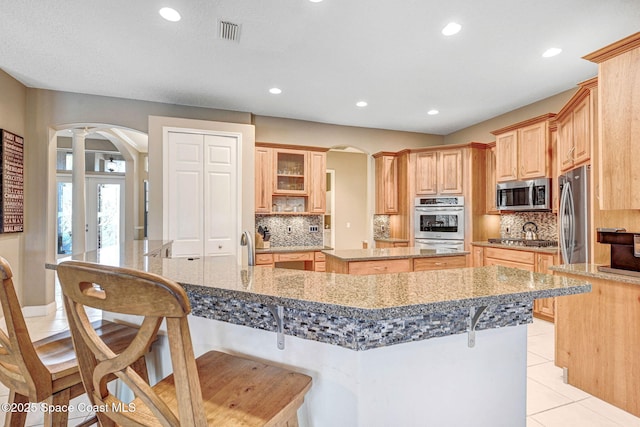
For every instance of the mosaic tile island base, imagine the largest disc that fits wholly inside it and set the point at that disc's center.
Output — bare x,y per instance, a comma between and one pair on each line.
354,312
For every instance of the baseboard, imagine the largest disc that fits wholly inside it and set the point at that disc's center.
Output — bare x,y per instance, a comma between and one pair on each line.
39,310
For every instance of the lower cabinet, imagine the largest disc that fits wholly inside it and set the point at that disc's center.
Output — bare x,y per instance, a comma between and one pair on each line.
531,261
439,263
312,260
386,244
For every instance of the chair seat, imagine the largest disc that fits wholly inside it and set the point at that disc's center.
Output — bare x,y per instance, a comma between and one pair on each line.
239,392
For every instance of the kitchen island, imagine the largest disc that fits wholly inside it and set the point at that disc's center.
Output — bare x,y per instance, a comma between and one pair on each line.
392,260
598,335
388,349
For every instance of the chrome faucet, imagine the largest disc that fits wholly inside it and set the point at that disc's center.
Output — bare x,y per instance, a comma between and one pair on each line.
245,240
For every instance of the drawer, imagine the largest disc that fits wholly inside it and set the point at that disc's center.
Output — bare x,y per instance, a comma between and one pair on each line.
380,267
320,266
293,256
319,256
262,259
504,263
439,263
517,256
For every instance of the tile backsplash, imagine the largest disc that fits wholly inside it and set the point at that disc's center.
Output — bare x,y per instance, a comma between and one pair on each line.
299,235
511,224
381,224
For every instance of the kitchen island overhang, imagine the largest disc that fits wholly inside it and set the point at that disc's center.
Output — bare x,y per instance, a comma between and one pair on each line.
418,367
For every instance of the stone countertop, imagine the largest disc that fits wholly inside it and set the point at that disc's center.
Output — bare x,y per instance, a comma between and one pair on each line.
375,297
547,250
379,254
286,249
591,270
390,240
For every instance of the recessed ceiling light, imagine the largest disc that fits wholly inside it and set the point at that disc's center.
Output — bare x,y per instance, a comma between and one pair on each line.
361,103
451,28
275,90
551,52
433,112
315,1
169,14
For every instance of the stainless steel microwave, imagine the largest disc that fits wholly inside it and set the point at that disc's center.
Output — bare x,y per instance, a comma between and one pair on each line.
532,195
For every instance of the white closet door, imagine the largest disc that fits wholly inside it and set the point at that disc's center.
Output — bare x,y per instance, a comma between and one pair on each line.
186,193
221,234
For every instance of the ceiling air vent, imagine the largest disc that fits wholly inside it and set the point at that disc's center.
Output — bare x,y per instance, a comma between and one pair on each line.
229,31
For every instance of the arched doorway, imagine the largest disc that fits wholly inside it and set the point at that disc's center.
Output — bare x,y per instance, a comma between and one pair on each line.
113,181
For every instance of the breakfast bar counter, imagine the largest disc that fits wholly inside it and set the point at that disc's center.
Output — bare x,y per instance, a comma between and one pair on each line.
390,349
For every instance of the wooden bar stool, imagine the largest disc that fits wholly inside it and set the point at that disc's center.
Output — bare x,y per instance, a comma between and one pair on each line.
45,370
215,389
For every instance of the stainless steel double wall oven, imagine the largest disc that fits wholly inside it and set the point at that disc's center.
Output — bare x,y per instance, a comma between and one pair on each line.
439,222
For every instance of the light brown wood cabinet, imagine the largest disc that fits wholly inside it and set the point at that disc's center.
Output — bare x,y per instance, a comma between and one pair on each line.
526,260
386,183
575,127
477,254
381,244
310,260
318,184
523,150
263,177
439,263
619,109
292,177
490,197
439,172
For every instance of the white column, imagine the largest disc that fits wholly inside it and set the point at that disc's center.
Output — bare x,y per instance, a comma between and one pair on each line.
79,214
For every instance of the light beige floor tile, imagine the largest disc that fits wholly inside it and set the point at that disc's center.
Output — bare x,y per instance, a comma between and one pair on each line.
533,359
542,345
573,415
611,412
541,398
533,423
540,327
551,376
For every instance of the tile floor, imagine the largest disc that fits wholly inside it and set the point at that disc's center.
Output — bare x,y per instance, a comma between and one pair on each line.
550,402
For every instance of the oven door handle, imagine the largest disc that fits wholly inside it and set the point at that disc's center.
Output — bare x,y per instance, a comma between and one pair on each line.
453,209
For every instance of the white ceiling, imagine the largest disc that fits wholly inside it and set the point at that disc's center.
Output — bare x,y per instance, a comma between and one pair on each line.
324,56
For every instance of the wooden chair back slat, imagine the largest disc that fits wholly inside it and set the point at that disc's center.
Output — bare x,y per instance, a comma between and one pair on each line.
21,366
132,292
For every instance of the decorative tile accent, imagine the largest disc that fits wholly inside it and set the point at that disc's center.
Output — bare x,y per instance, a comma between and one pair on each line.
380,221
300,234
358,334
546,222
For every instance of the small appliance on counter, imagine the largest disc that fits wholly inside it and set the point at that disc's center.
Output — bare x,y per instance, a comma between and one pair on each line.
625,251
262,238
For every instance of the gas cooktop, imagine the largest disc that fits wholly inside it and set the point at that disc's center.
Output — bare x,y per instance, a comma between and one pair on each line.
525,242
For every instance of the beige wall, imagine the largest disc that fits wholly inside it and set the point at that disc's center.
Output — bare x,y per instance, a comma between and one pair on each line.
47,111
300,132
481,132
351,203
12,118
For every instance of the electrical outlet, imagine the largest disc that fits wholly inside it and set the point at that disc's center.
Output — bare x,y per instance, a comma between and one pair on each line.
382,228
313,229
288,229
507,230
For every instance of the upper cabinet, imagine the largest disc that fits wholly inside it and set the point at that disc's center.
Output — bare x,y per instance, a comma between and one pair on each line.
619,128
386,183
575,127
291,171
439,172
523,150
263,180
290,179
490,169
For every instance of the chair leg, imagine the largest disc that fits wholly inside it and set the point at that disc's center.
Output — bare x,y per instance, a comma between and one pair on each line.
16,418
57,418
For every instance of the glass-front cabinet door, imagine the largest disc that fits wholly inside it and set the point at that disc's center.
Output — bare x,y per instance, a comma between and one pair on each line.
291,172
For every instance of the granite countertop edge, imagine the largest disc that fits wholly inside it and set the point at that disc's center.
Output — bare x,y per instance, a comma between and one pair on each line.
547,250
403,311
591,270
383,257
285,249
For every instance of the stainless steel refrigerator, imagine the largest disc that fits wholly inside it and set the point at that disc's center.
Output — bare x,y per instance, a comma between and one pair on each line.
573,216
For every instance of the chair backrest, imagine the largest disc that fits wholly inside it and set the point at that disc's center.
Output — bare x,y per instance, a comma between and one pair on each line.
21,369
127,291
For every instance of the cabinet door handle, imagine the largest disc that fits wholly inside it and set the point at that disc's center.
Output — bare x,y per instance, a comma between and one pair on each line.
379,268
440,263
